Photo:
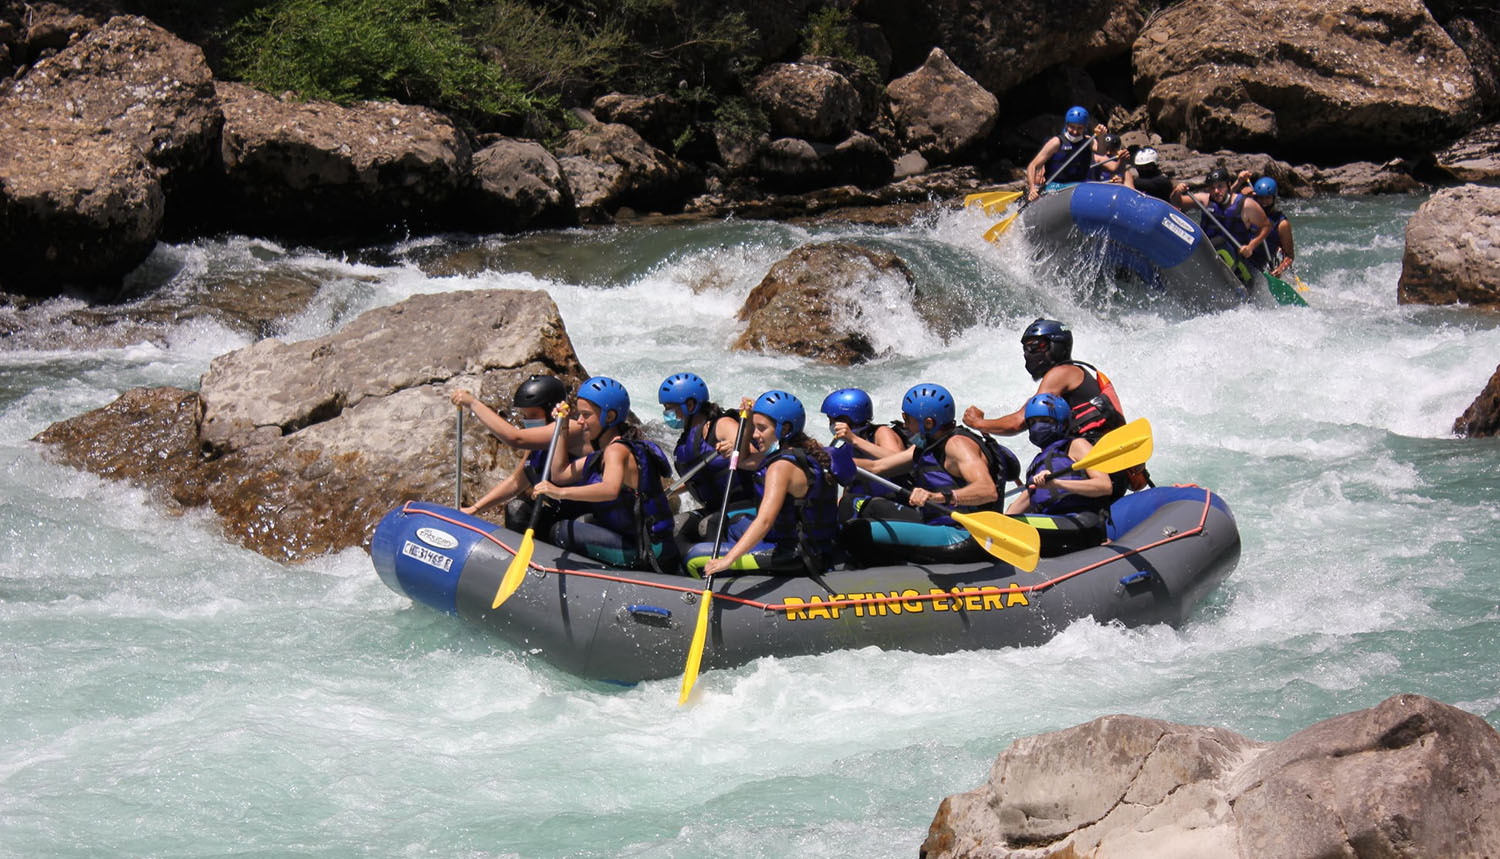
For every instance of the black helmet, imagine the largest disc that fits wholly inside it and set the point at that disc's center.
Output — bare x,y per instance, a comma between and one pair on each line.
542,392
1218,174
1058,348
1110,142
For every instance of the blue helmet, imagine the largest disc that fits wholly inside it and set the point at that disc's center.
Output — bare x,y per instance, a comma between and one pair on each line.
929,401
782,408
1076,115
1048,406
678,388
609,396
850,403
1265,186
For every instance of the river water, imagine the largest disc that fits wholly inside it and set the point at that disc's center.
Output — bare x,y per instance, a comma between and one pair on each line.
166,693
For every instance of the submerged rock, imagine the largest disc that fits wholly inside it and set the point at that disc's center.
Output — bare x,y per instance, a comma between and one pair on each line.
302,447
1482,418
1453,249
1406,779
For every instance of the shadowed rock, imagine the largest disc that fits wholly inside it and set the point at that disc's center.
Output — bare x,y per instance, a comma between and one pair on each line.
609,165
1406,779
1475,157
301,447
941,111
1453,249
807,101
1482,418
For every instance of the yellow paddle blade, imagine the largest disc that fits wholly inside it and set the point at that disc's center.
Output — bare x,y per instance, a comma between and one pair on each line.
1120,448
517,569
995,208
1297,279
695,652
994,232
1010,540
985,199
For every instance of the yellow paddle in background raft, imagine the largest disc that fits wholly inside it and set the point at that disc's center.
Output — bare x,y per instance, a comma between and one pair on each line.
1010,540
700,630
516,572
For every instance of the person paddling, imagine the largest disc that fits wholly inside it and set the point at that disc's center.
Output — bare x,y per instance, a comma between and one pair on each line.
1279,245
534,400
1060,160
851,420
701,455
1241,216
1068,511
1147,176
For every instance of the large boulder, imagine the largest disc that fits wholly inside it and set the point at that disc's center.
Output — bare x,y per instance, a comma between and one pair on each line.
518,185
1453,249
1377,76
609,165
660,119
1408,778
95,137
794,165
817,302
302,447
940,111
1482,418
807,101
1475,157
318,169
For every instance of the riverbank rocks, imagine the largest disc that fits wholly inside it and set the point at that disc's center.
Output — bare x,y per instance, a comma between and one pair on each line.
806,101
659,119
1482,418
1377,77
1475,157
301,447
940,111
317,169
1408,778
609,165
1453,249
92,139
819,302
518,185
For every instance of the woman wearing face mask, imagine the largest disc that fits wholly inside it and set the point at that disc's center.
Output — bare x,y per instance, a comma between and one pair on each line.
706,439
534,400
624,518
795,529
1067,510
851,415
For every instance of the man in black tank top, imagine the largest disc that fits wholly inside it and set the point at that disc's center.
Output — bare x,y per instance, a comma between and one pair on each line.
1048,347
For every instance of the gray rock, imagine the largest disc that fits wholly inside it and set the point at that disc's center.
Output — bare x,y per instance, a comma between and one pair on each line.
1453,249
518,185
941,111
1376,76
806,101
659,119
316,169
94,138
1482,418
1475,157
1410,777
609,165
301,447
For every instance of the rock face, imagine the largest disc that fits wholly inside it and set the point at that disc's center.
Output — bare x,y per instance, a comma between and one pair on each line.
1475,157
609,165
1411,777
810,303
1482,418
302,447
1453,249
94,138
659,119
518,185
319,169
941,111
1377,77
807,101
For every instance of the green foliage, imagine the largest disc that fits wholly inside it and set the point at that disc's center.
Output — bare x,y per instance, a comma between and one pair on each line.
346,50
828,34
562,55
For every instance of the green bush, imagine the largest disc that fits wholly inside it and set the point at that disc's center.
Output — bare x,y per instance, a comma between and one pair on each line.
828,34
345,50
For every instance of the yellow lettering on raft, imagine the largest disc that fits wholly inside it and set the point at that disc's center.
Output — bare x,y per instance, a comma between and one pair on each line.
971,600
1015,596
993,599
795,613
817,609
914,606
941,601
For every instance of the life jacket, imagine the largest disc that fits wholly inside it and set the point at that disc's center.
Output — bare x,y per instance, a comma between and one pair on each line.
535,466
1230,214
1054,458
866,488
1100,173
809,524
707,486
928,472
644,514
1078,169
1273,241
1096,411
1158,184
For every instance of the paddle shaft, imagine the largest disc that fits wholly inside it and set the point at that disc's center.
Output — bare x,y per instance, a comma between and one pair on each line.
734,462
698,466
869,475
536,507
458,464
1077,152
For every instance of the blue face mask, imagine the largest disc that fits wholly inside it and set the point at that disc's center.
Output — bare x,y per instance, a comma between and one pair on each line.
1043,431
673,419
533,423
920,440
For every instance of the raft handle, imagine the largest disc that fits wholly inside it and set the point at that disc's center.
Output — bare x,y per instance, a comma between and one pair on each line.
649,614
1137,578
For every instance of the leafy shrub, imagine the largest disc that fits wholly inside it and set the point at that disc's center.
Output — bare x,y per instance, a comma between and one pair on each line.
828,34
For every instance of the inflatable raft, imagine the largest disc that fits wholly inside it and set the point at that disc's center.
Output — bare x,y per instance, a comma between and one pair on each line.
1118,230
1169,547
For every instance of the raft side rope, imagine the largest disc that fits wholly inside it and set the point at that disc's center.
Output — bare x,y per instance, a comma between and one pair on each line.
1037,588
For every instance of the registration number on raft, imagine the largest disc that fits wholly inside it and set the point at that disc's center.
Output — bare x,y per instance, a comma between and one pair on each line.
427,556
910,601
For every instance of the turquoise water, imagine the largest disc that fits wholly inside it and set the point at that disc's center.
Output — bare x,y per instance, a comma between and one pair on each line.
166,693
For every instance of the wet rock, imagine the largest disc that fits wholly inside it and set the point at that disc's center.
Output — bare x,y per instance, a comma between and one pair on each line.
1482,418
1375,77
1411,777
301,447
1475,157
794,165
807,101
1453,249
814,303
941,111
319,170
609,165
518,185
659,119
95,137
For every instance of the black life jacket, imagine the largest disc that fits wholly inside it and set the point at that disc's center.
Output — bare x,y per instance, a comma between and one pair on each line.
929,473
810,523
644,513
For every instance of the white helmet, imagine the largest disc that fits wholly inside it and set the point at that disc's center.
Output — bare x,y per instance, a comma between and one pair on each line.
1145,155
